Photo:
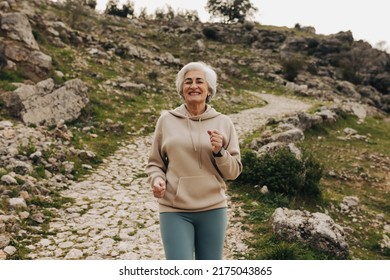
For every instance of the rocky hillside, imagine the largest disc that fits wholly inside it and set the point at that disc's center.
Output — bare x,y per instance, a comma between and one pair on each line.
75,83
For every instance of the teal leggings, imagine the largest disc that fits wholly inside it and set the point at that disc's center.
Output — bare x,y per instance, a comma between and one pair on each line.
202,233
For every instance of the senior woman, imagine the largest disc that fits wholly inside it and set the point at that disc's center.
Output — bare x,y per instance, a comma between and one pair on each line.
195,149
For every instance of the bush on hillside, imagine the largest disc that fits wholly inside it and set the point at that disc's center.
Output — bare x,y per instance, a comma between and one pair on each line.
126,11
292,66
90,3
283,173
210,33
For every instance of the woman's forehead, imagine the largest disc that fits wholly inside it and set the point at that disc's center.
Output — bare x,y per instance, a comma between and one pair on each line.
194,74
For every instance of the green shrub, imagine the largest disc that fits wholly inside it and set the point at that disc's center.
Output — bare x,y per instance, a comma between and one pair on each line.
292,66
283,173
28,149
153,75
210,33
126,11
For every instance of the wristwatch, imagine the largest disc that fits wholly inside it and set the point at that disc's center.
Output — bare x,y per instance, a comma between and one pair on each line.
221,153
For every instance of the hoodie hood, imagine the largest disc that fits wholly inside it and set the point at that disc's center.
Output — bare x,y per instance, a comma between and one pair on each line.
182,112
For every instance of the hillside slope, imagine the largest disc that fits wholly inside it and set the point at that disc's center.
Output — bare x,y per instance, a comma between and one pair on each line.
121,74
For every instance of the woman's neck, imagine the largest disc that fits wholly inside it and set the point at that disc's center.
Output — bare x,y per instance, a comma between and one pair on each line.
196,109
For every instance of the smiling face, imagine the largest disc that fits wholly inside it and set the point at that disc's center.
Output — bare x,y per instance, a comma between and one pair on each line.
195,88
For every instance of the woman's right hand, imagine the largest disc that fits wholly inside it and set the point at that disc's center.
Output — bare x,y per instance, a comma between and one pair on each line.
159,188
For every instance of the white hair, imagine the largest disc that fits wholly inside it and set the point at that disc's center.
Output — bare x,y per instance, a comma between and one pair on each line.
210,76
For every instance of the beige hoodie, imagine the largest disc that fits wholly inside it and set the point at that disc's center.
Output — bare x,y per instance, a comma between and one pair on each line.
181,155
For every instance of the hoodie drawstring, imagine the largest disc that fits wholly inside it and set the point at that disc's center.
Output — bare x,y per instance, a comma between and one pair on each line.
192,140
189,132
200,146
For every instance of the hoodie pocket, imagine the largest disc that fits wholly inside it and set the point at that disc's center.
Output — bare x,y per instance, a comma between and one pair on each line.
197,192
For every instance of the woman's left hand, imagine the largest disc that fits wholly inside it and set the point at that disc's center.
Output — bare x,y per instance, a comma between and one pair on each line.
216,140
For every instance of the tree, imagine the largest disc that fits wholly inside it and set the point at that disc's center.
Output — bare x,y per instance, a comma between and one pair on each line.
90,3
231,10
112,9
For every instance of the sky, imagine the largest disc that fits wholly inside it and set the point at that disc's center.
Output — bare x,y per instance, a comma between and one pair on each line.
367,20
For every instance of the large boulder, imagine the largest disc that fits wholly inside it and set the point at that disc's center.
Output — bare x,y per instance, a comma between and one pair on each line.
19,49
318,230
42,104
35,64
17,27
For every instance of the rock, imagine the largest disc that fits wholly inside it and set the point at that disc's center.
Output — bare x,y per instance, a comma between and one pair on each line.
87,166
9,180
86,155
45,242
40,105
3,255
17,203
385,242
306,121
289,136
327,115
273,147
17,27
4,241
348,89
10,250
350,131
20,167
264,190
131,86
356,109
4,6
20,49
297,88
38,217
199,46
74,254
5,124
316,229
349,203
24,215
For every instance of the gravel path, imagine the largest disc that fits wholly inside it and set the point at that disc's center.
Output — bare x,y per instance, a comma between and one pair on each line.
115,215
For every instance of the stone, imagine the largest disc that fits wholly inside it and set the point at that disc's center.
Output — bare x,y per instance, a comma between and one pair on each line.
3,255
264,190
350,202
5,124
66,244
316,229
40,105
17,27
10,250
289,136
24,215
20,167
9,180
74,254
17,203
4,241
20,49
4,6
350,131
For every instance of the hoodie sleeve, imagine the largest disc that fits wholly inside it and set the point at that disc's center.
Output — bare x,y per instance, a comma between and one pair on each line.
230,164
157,164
